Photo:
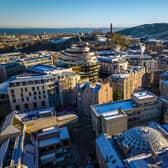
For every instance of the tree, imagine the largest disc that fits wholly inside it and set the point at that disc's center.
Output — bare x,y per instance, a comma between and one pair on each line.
117,95
117,40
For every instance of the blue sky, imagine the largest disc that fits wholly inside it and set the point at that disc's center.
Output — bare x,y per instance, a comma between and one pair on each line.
81,13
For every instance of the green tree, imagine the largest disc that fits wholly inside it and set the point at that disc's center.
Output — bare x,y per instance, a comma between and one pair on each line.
117,95
117,40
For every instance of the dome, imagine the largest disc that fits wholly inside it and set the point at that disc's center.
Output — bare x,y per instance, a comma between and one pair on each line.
141,139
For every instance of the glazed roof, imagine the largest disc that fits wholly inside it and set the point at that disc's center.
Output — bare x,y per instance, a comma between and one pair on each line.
139,140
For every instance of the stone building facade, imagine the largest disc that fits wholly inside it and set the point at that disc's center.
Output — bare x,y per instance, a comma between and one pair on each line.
90,94
128,82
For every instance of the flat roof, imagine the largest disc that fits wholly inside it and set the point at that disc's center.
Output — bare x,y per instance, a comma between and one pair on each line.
47,131
112,108
64,134
46,69
109,59
106,52
144,94
120,76
31,114
34,58
31,77
10,54
48,156
38,76
108,152
48,142
62,40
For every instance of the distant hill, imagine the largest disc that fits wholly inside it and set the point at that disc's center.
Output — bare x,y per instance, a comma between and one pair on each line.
155,30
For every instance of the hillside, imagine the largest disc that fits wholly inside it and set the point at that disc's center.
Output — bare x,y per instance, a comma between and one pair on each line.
155,30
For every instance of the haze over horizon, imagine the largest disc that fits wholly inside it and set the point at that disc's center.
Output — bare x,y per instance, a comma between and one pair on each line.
79,14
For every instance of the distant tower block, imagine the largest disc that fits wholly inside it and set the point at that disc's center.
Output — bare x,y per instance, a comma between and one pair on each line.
111,28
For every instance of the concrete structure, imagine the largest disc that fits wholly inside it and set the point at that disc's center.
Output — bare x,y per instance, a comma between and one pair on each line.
47,69
113,64
10,69
151,80
163,59
33,138
4,98
67,89
117,116
135,148
29,92
49,86
89,94
126,83
81,59
164,84
106,155
137,57
164,88
67,81
146,61
164,102
31,61
7,57
53,146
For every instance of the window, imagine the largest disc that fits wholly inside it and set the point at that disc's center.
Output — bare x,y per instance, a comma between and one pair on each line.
42,81
33,88
17,107
23,83
35,93
34,104
26,106
13,96
22,99
37,87
27,98
30,94
43,103
11,84
39,97
14,100
65,143
36,82
21,89
17,84
12,91
25,89
30,82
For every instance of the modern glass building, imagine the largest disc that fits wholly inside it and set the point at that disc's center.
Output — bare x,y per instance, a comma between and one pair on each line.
81,59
